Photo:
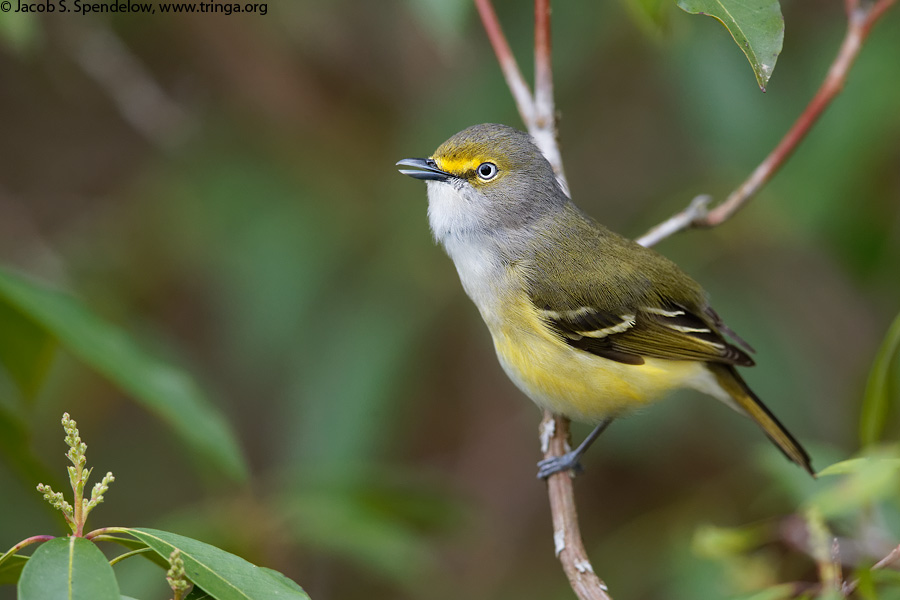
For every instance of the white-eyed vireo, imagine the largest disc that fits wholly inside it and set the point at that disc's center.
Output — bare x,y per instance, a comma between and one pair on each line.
589,324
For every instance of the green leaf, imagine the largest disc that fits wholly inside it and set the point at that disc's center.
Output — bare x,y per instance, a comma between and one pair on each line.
858,465
862,482
26,349
68,568
879,394
162,389
11,569
756,26
221,574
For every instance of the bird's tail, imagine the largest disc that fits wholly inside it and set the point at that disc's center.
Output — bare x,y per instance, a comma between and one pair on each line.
746,400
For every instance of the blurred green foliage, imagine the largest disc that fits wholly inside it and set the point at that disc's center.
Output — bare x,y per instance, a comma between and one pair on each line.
241,219
36,317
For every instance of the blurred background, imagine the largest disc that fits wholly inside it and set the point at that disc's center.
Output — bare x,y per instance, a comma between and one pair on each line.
223,189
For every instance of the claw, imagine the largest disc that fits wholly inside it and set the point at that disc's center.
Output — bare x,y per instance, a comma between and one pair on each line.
569,460
549,466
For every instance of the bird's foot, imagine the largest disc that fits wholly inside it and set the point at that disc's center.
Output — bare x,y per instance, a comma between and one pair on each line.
555,464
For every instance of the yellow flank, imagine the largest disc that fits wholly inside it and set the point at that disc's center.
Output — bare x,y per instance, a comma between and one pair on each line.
458,163
577,384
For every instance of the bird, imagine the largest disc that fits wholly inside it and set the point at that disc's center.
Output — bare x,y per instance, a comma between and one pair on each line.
588,324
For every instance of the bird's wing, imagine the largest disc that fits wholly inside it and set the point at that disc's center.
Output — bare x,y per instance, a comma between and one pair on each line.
668,331
627,303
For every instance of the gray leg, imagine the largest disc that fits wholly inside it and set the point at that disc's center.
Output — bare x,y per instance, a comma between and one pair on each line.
569,460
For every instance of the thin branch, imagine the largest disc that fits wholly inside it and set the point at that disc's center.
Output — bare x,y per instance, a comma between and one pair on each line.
517,85
859,23
892,557
543,68
35,539
543,127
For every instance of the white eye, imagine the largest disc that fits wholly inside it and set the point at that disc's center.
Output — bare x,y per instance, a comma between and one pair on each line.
486,171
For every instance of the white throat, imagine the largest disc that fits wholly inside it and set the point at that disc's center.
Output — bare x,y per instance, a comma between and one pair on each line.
459,226
450,213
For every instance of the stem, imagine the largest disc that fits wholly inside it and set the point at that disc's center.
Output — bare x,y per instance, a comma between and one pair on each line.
122,557
543,127
859,24
26,542
79,516
543,69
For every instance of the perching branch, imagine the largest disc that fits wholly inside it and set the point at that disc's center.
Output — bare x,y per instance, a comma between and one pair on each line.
539,115
567,541
861,16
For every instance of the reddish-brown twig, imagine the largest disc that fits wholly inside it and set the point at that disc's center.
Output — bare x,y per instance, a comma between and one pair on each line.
543,69
542,126
517,85
859,23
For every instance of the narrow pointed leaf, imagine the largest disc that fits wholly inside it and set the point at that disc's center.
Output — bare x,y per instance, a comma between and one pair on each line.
221,574
68,568
858,465
882,387
161,388
756,26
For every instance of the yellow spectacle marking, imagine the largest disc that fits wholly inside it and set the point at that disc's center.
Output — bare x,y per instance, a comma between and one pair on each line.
458,164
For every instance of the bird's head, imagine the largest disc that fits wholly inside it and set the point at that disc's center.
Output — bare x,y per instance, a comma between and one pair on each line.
485,177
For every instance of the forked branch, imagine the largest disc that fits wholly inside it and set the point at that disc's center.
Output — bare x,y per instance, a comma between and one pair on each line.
861,16
539,115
